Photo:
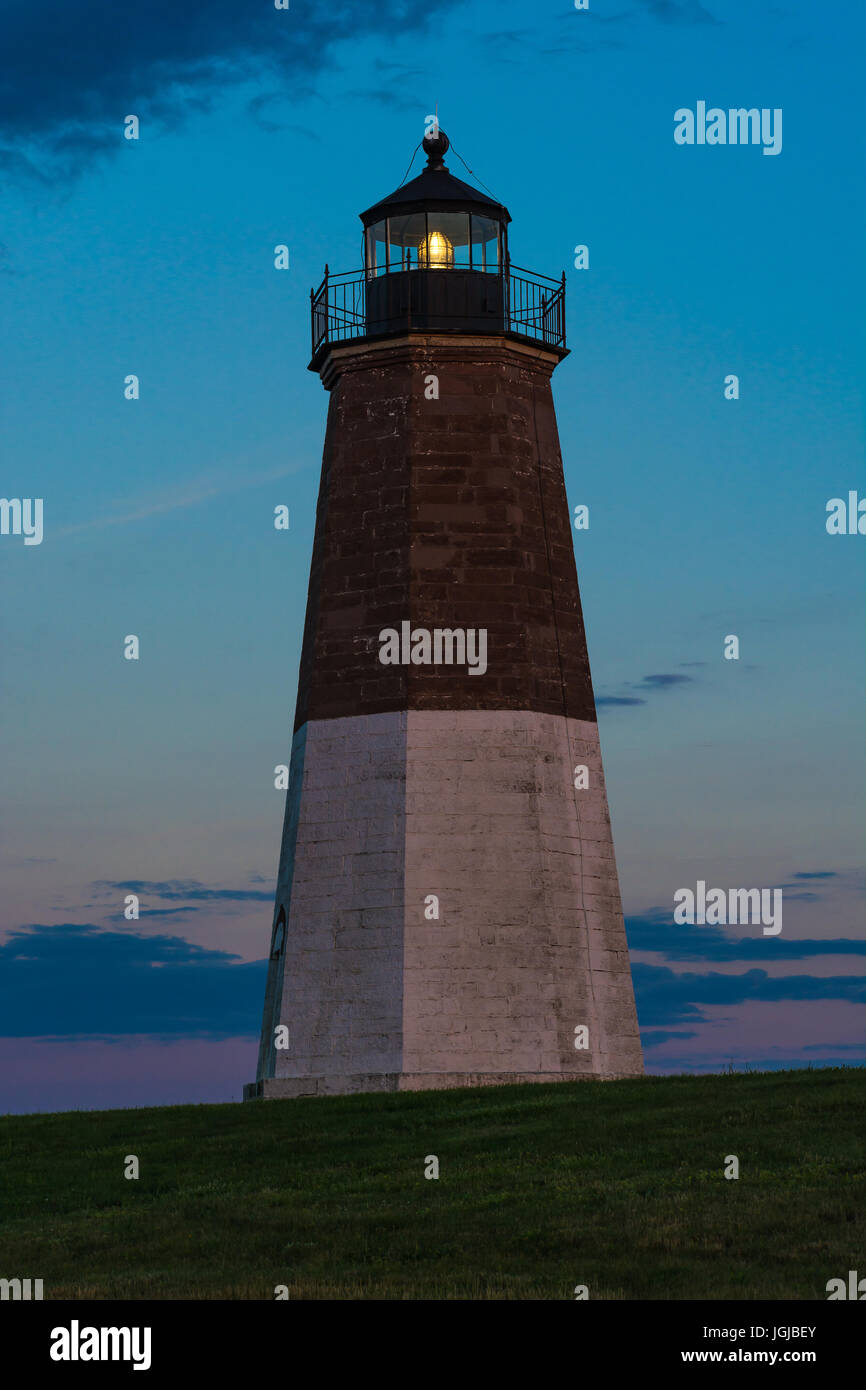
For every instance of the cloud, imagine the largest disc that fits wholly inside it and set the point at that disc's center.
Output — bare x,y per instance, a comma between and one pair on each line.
397,87
71,73
649,684
391,101
170,911
662,1035
795,893
189,494
76,980
838,881
686,12
667,1066
180,889
665,998
665,681
397,72
258,107
656,933
799,897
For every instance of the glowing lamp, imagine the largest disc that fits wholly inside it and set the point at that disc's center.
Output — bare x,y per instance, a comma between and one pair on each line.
436,252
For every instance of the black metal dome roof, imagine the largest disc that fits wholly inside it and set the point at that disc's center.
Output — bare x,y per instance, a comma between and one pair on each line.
437,189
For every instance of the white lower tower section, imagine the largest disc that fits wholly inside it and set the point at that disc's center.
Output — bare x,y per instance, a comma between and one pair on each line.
452,910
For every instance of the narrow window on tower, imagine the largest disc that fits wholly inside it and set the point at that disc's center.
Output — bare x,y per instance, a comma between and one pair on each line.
279,939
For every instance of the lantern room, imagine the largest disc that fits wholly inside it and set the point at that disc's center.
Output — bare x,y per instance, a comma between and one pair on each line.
436,222
434,252
436,259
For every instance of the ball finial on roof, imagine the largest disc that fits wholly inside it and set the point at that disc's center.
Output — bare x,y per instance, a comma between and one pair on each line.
435,147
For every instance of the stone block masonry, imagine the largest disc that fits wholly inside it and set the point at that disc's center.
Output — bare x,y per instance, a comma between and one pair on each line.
477,808
447,909
448,512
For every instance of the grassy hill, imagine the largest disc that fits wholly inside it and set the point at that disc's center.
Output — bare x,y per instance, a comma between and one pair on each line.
618,1186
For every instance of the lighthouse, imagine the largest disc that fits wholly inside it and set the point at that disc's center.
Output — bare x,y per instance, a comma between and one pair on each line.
447,909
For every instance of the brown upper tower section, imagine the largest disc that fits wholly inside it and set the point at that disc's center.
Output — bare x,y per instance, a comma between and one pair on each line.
442,501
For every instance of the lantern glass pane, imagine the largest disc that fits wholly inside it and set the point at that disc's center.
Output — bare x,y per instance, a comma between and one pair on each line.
485,244
376,249
405,235
447,243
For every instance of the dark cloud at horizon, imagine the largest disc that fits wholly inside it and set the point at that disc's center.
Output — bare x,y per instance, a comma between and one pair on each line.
656,933
168,912
665,997
657,1036
179,889
674,1066
77,980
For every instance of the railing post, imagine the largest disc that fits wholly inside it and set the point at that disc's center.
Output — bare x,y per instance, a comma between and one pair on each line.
562,313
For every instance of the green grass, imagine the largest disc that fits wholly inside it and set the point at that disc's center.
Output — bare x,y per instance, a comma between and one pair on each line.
618,1186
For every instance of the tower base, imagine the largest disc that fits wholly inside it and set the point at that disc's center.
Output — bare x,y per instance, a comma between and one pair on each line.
453,912
295,1088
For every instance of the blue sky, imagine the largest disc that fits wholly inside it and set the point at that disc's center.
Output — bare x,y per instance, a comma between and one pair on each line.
155,257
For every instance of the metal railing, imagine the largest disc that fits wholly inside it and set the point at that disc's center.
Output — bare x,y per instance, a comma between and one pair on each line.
528,304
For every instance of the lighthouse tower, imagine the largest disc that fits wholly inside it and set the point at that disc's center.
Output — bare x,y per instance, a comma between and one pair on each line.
447,909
